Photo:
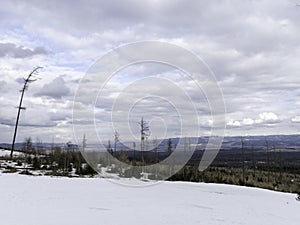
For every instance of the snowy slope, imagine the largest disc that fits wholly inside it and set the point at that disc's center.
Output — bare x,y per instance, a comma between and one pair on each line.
6,153
28,200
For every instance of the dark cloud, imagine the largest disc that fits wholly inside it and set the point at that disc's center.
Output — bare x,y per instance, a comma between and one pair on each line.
56,89
12,50
7,122
20,80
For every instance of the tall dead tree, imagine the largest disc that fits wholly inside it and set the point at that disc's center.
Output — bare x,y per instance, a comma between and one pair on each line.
243,159
144,135
133,145
268,160
116,139
27,81
253,161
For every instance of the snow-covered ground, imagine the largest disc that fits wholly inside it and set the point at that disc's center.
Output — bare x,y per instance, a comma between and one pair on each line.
6,153
29,200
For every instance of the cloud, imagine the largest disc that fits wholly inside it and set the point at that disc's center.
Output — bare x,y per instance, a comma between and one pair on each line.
55,89
233,123
296,119
248,121
264,118
12,50
249,45
3,84
267,117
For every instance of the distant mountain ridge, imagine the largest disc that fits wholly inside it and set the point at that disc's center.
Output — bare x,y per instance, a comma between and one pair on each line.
288,142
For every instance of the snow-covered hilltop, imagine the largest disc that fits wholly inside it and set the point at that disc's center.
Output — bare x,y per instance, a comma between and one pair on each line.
29,200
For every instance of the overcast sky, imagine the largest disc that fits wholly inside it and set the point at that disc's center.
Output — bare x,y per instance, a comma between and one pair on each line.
251,46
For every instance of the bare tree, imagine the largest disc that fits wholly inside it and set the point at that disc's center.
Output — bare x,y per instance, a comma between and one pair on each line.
170,146
25,87
253,161
109,148
144,135
278,163
133,145
83,142
156,148
116,139
27,149
243,159
268,160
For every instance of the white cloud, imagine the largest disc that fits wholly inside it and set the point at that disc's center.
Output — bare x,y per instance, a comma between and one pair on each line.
233,123
296,119
267,117
264,118
248,121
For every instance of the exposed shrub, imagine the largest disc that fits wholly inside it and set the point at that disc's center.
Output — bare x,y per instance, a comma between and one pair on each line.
298,197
